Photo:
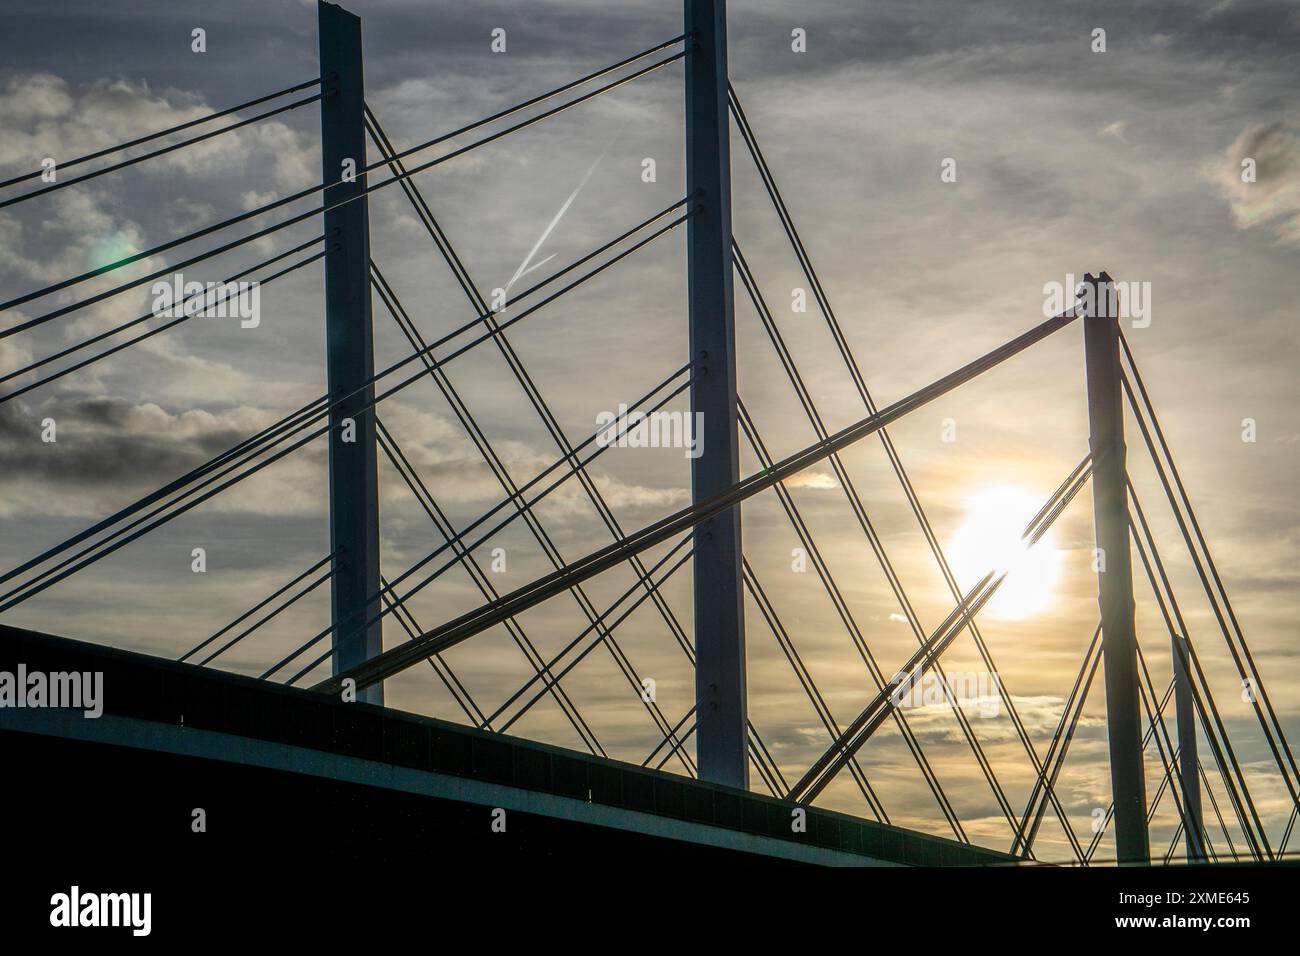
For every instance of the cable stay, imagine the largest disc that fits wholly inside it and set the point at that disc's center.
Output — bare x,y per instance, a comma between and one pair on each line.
826,767
309,414
493,460
304,193
279,592
427,352
453,632
855,372
426,217
1215,730
161,151
397,458
1217,595
846,484
181,127
442,669
186,309
492,512
841,606
1054,757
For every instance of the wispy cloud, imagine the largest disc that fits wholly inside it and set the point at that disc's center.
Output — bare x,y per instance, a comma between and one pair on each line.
1269,194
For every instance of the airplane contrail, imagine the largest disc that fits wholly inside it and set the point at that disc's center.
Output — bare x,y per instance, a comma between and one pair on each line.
525,267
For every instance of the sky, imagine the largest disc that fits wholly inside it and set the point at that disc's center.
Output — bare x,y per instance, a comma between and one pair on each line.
1068,159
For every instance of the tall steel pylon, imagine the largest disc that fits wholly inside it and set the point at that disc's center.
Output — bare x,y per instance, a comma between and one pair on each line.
1114,570
721,734
349,349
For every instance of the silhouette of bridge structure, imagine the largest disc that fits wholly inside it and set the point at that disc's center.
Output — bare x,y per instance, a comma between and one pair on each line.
313,730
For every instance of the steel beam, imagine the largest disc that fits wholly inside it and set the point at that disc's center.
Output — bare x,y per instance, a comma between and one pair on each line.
721,736
349,350
1114,571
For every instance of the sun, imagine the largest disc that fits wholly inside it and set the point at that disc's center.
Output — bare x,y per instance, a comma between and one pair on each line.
989,538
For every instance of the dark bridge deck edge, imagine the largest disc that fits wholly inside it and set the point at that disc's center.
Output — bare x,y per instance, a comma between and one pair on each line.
140,687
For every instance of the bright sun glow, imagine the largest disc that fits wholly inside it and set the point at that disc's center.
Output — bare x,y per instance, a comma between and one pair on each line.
989,538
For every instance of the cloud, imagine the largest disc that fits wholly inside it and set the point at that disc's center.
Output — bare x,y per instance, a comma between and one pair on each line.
456,472
44,115
12,355
107,452
1273,199
1039,714
1115,129
815,480
85,226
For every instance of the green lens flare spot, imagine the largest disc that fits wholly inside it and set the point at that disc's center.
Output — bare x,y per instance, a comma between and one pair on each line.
109,250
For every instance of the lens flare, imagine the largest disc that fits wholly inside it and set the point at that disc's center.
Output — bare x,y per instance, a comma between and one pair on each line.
110,249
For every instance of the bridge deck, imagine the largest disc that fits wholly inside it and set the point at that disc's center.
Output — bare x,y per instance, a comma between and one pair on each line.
277,765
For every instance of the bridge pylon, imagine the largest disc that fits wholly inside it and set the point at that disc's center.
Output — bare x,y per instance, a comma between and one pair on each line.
1113,562
349,350
722,720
